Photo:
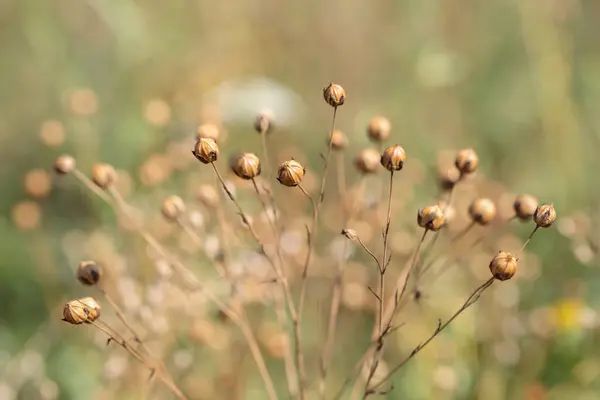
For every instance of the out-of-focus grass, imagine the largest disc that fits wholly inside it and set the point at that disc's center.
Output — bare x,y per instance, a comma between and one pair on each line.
517,80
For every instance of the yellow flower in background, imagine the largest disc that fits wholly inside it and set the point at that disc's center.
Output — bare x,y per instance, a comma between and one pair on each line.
568,314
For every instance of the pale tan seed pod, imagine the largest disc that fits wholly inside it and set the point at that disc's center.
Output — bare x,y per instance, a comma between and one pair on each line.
350,234
173,207
290,173
448,177
449,211
208,131
206,150
482,211
393,158
525,206
431,218
263,123
339,141
379,128
64,164
208,195
367,161
334,95
89,273
245,165
503,266
92,308
544,215
103,175
466,161
81,310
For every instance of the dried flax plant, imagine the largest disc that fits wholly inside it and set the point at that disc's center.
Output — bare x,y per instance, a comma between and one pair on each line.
311,370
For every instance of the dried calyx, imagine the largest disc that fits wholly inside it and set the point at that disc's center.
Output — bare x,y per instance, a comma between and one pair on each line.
81,310
290,173
206,150
503,266
103,175
334,95
431,218
245,165
89,273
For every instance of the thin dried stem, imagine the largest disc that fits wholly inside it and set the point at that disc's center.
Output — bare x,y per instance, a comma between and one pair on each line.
529,239
280,278
312,233
441,326
120,205
336,295
87,182
159,372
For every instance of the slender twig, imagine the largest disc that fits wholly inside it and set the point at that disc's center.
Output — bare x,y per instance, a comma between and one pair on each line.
336,294
441,326
280,278
120,205
312,233
529,239
160,373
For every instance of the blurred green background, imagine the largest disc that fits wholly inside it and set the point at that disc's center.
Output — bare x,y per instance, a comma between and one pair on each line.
119,81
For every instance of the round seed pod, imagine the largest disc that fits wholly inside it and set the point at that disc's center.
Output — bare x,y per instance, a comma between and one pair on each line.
482,211
334,95
466,161
173,207
103,175
208,131
339,141
64,164
525,206
89,273
350,234
503,266
208,195
263,123
393,158
290,173
206,150
544,215
431,218
367,161
448,177
245,165
379,128
82,310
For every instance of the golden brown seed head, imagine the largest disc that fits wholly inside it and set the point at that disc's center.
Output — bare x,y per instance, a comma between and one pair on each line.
544,215
206,150
368,161
245,165
290,173
339,141
263,123
334,95
448,177
393,158
173,207
482,211
208,131
89,273
466,161
82,310
504,266
208,195
350,234
525,206
431,218
379,128
103,175
64,164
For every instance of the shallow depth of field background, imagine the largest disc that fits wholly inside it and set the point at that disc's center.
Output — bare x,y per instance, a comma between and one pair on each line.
127,82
